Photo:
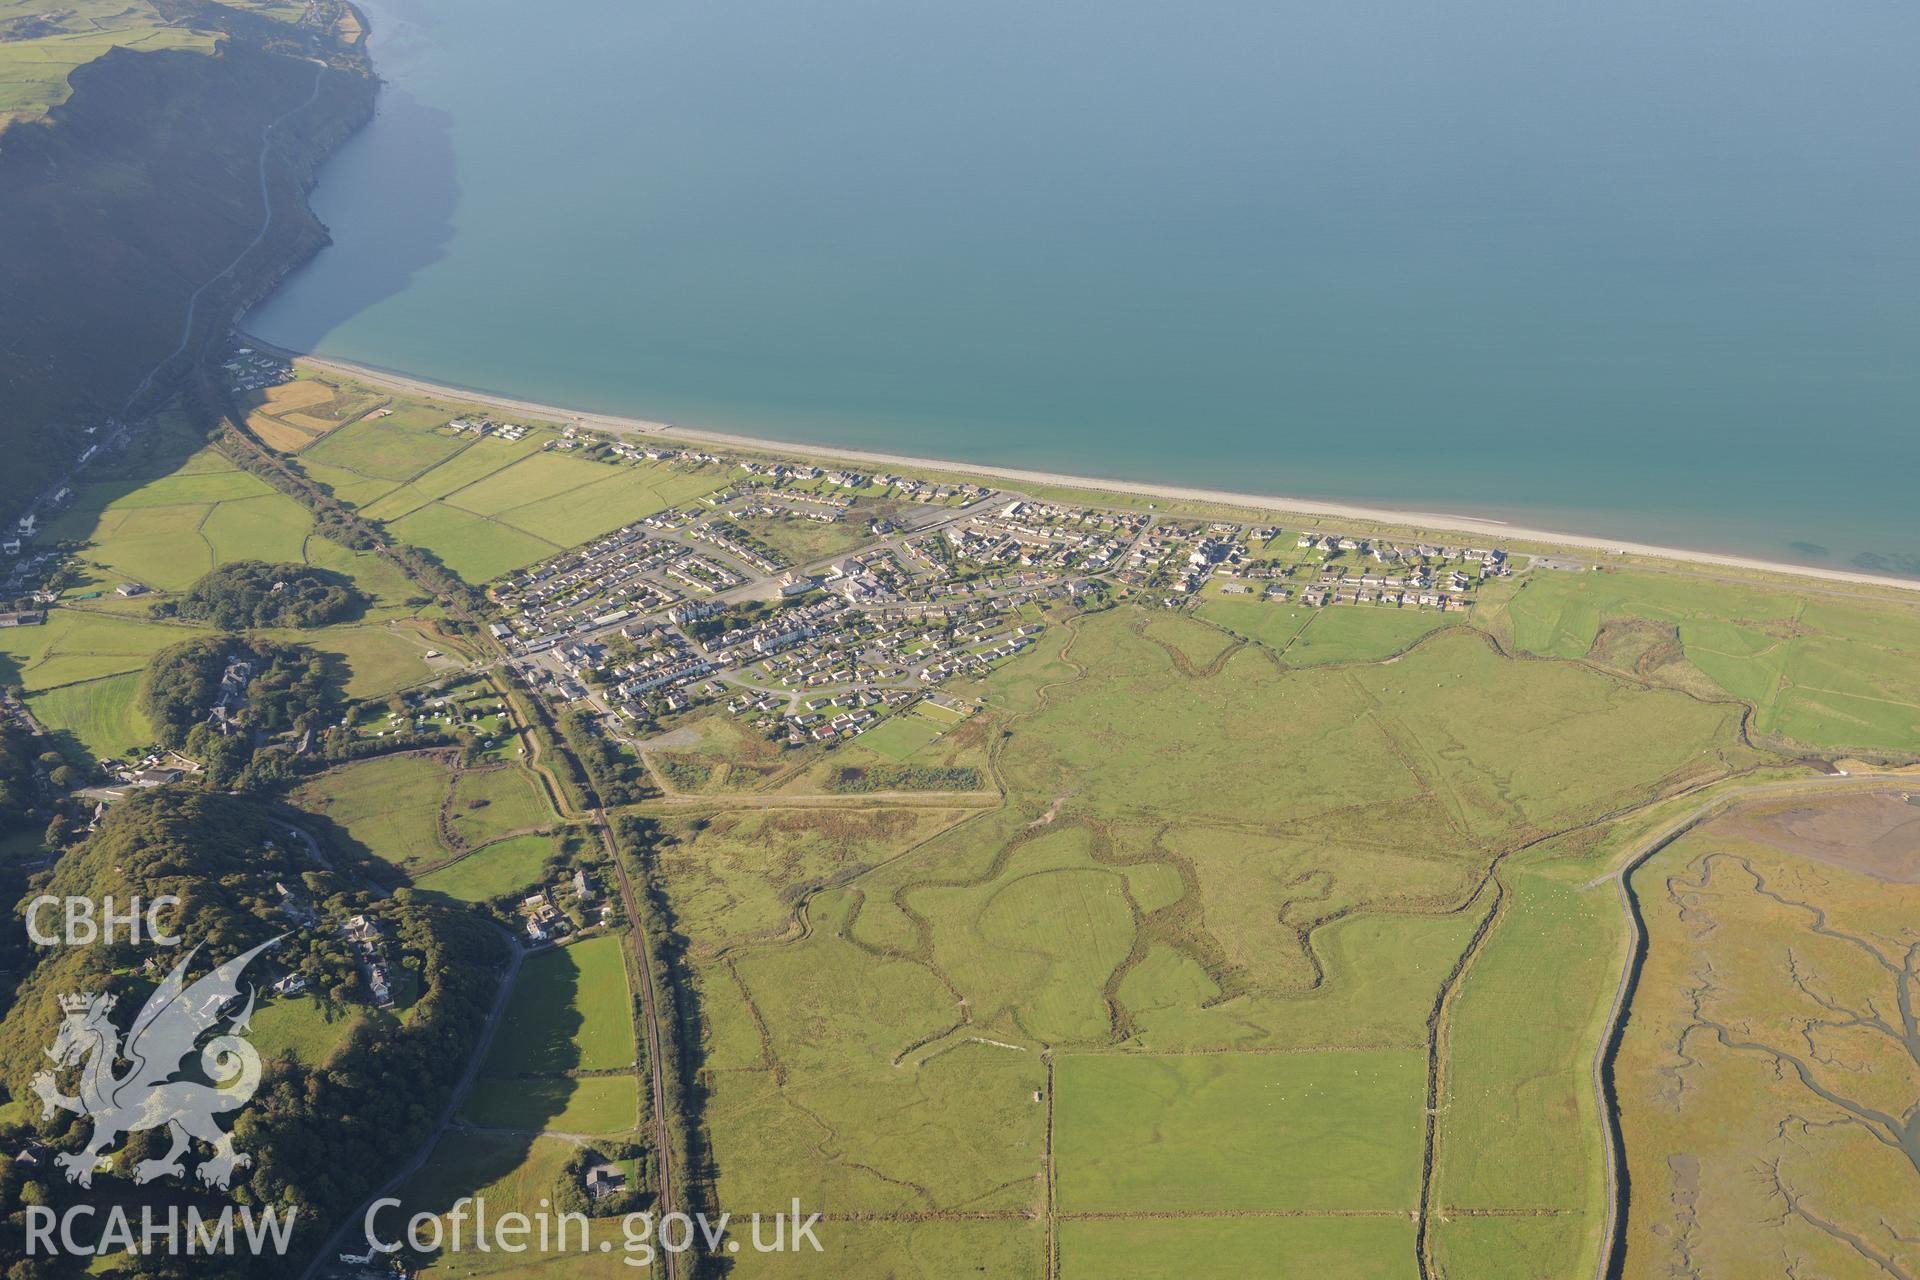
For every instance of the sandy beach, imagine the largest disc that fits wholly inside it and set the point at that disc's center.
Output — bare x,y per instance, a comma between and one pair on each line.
1426,522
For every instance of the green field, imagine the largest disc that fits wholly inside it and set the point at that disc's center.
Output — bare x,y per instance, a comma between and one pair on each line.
1362,1248
476,548
349,487
272,527
586,1104
1380,975
513,1174
491,803
570,1012
1360,633
1521,1038
384,449
82,667
1315,1132
740,875
386,588
103,715
299,1028
1520,1246
1272,624
487,507
202,479
504,867
374,660
168,526
900,736
1828,674
74,645
161,515
34,64
390,806
485,458
1517,1036
1192,645
927,1250
1435,724
531,480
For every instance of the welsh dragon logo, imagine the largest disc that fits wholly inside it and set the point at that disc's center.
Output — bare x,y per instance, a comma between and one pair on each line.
167,1029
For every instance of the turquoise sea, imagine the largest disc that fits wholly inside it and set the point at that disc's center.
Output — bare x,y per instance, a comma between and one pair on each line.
1648,269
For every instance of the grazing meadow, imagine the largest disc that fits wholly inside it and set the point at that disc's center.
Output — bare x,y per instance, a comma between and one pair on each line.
487,505
502,868
513,1173
1234,920
1829,674
563,1059
494,802
304,1029
102,717
1520,1036
389,806
146,525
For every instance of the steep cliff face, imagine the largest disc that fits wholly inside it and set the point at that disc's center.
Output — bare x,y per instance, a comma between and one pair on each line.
144,186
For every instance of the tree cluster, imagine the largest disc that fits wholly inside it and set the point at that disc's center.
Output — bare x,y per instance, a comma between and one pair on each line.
323,1135
689,1164
289,688
746,614
569,1192
857,780
18,765
320,1133
616,779
252,593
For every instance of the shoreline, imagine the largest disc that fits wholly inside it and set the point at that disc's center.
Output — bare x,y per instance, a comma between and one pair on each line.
1424,521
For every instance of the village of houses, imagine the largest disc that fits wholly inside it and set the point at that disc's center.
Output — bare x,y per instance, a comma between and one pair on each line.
684,609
